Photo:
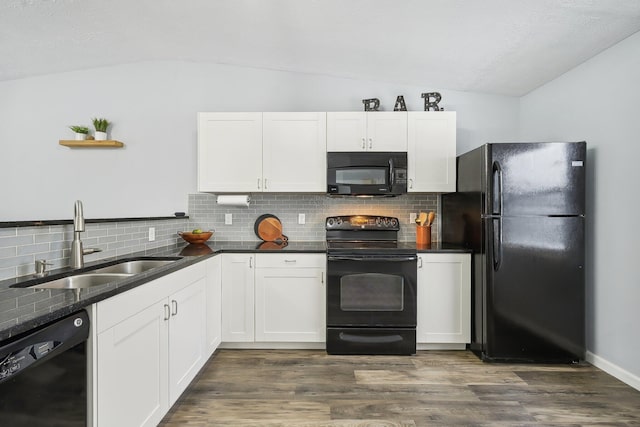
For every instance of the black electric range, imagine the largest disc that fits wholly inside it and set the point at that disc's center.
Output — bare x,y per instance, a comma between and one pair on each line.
371,287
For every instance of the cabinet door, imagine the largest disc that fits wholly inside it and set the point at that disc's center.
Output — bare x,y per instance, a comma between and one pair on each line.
230,152
294,152
347,131
214,304
237,297
387,131
132,377
290,304
444,298
187,337
431,151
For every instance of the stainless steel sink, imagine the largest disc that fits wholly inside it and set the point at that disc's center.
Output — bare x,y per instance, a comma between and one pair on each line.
80,281
133,267
103,275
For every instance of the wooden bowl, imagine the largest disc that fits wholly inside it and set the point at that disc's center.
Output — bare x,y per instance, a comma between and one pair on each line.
195,239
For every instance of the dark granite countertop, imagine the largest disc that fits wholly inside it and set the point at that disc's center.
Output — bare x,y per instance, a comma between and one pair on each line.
439,247
260,246
23,308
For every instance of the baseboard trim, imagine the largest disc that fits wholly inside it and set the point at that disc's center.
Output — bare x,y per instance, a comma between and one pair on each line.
441,346
613,370
273,345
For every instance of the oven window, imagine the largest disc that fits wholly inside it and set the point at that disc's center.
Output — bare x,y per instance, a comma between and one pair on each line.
371,292
361,176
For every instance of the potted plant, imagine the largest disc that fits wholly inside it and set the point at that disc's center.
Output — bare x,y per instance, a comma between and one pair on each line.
101,126
80,131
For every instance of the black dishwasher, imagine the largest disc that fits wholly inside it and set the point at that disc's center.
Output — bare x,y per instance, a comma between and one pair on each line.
43,375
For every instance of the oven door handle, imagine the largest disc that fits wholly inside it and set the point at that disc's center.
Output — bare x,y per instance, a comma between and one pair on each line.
373,258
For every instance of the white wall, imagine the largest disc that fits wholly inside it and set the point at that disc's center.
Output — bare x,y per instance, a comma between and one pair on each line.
153,106
599,102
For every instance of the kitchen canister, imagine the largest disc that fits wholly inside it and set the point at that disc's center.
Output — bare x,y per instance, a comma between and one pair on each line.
423,235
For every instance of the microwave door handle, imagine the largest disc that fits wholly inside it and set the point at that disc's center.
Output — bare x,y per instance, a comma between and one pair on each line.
391,173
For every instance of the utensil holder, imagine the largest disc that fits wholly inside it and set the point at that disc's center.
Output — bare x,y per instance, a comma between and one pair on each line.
423,235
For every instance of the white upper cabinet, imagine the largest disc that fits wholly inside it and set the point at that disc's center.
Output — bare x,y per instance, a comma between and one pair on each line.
431,153
367,131
256,152
294,152
230,152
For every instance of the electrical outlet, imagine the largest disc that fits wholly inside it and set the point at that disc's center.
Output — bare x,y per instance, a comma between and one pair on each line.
228,219
152,234
301,218
412,217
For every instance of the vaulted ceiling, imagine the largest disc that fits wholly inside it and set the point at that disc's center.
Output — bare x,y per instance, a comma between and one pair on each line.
493,46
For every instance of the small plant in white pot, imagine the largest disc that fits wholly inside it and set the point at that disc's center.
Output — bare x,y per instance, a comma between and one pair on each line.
80,131
101,126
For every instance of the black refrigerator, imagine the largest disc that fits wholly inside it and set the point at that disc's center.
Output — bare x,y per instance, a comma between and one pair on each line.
520,208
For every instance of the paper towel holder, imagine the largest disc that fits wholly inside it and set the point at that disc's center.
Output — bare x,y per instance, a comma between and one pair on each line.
234,200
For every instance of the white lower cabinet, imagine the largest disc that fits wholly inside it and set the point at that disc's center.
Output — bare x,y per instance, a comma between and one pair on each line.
444,299
131,376
187,332
214,303
237,297
290,298
150,344
273,298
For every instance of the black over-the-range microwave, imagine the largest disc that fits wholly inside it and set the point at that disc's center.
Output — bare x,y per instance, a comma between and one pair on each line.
366,173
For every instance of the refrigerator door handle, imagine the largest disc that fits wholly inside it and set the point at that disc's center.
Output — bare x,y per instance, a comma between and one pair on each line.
496,235
497,193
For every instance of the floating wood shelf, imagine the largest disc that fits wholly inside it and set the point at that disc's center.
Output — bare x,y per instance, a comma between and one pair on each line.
90,143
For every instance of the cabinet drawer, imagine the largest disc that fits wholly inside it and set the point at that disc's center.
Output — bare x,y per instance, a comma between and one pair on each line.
291,261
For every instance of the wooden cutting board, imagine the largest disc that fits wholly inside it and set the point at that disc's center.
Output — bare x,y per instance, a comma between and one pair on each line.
269,228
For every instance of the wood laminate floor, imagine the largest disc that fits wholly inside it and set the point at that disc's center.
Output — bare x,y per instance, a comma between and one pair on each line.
308,388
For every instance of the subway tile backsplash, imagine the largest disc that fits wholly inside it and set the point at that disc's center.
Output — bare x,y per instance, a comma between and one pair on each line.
21,246
205,213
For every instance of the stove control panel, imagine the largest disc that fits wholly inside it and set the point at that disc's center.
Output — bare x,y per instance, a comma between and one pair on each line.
362,222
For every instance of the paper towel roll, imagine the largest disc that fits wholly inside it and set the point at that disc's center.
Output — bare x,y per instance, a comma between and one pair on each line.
239,200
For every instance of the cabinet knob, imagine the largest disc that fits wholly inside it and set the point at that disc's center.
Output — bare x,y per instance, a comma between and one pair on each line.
410,183
370,144
258,183
167,312
364,144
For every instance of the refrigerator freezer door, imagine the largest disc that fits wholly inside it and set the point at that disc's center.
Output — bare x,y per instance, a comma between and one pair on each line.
536,178
534,304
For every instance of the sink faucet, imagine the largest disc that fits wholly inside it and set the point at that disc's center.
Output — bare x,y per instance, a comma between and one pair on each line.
77,252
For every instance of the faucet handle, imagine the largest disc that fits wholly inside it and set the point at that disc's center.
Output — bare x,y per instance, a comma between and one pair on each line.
41,267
